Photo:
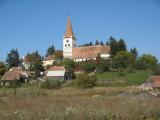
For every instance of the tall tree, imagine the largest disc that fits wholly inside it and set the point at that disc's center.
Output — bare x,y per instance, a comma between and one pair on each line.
116,46
102,43
122,45
147,62
13,58
90,44
69,66
36,62
107,43
58,54
157,70
123,59
3,68
97,42
113,43
50,51
134,52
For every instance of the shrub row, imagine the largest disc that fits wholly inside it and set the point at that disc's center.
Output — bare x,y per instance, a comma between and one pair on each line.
51,84
85,81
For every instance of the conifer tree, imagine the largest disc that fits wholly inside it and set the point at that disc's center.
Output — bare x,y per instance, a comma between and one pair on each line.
122,45
102,43
50,50
134,52
13,58
97,42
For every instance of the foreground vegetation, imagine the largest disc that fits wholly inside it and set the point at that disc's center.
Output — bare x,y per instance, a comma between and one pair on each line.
111,103
120,99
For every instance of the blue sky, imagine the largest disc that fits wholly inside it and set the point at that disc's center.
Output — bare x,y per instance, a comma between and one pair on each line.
31,25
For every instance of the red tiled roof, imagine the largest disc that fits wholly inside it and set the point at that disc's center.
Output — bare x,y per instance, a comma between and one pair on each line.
155,80
53,68
90,51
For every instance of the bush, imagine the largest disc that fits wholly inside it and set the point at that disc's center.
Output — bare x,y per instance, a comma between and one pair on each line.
131,69
85,81
102,66
51,84
121,73
89,67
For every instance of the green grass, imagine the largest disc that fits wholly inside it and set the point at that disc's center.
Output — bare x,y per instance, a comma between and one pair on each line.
115,79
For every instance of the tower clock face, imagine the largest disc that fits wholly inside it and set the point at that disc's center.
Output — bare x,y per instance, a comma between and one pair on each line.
67,41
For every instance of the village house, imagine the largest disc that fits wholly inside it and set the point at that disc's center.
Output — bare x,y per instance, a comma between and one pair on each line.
14,75
26,63
152,83
56,72
48,61
70,49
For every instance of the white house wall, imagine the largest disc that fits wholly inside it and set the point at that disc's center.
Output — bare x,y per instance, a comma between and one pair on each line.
56,73
105,55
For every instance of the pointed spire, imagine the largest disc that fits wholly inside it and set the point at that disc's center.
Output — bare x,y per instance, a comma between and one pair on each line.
69,31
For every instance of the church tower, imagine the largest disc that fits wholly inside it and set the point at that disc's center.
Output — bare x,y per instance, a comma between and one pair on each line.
69,40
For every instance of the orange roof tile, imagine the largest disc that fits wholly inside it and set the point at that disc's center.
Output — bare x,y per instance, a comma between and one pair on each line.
90,51
53,68
155,80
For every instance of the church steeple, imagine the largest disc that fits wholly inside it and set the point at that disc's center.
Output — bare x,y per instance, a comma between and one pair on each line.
69,31
69,40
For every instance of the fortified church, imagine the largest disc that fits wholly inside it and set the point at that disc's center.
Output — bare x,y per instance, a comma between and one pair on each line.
72,51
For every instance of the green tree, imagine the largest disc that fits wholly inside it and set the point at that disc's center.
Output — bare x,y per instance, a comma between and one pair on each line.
121,45
97,42
69,66
90,44
85,81
116,46
101,43
3,68
157,70
50,50
89,66
123,59
113,44
103,65
36,63
13,58
107,43
134,52
58,54
146,62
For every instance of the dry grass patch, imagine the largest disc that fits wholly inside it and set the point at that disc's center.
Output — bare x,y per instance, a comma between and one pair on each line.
79,104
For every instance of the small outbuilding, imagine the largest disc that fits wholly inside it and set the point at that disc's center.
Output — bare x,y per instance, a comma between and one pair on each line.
152,83
48,61
15,75
56,72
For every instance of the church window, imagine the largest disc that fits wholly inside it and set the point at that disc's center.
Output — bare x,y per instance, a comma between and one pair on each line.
69,45
65,45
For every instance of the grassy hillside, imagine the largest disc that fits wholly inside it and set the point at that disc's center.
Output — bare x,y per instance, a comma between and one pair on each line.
122,79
